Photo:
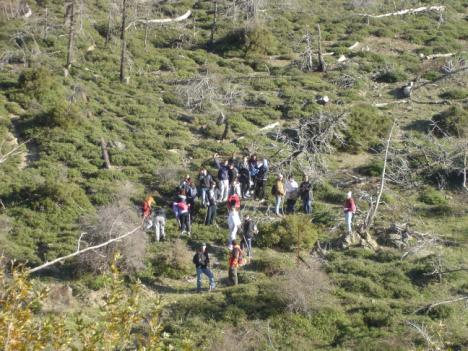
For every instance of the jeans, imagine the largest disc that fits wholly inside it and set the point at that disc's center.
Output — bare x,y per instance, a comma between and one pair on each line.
148,222
210,214
245,189
278,199
208,273
223,190
159,225
307,205
191,202
204,196
233,275
348,215
248,246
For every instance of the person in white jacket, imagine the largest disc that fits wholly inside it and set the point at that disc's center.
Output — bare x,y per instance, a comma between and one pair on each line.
292,191
234,224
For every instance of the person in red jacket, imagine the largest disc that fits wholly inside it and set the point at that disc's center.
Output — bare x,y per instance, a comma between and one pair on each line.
184,215
147,221
349,210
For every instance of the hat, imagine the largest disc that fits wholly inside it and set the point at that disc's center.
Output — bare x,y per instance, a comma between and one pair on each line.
349,194
203,245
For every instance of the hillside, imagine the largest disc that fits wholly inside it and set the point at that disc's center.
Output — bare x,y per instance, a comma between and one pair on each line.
234,78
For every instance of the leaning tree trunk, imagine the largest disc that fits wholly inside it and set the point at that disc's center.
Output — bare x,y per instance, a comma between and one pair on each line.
123,40
322,67
71,34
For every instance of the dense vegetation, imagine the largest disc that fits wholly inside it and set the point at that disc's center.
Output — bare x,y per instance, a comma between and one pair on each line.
163,122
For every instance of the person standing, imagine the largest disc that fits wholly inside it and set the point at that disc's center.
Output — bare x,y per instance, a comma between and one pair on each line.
201,259
235,259
205,179
234,224
253,168
233,173
292,191
349,211
305,192
184,215
244,179
278,191
191,193
146,208
261,179
249,229
223,178
159,223
213,196
233,198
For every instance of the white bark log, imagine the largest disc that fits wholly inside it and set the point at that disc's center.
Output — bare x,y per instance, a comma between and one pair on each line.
407,11
161,20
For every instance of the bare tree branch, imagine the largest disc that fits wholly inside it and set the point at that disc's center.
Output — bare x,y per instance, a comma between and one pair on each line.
160,20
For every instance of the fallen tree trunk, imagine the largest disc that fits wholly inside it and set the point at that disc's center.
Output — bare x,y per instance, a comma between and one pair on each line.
407,11
160,20
79,252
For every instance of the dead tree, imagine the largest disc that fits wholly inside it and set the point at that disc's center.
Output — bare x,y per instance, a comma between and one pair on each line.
70,14
123,41
109,24
105,154
213,23
322,67
307,55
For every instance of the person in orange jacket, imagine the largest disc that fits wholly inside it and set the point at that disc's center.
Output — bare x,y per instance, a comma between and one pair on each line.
147,221
235,260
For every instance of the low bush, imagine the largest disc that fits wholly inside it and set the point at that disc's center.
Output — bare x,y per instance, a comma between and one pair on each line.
451,122
292,231
372,169
391,76
455,94
172,259
324,191
431,196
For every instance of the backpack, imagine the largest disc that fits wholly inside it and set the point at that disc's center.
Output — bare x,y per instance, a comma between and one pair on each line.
273,189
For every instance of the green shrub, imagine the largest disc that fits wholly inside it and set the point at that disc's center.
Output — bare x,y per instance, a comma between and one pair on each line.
391,76
291,231
372,169
455,94
172,259
324,191
367,127
258,40
431,196
452,122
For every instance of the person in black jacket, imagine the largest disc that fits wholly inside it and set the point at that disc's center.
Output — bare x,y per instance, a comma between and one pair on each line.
201,260
213,196
204,179
305,192
244,178
261,179
249,229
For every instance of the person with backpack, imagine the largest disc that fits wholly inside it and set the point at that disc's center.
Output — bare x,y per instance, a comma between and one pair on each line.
204,180
292,191
235,260
234,223
223,178
213,196
147,210
349,211
183,211
277,191
201,259
191,194
261,179
233,199
249,229
159,219
244,179
253,168
305,192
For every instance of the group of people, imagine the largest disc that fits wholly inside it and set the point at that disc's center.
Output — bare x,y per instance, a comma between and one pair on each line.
234,181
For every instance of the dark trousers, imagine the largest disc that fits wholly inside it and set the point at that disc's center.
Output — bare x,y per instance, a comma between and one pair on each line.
245,188
210,214
233,275
191,202
185,222
260,189
290,204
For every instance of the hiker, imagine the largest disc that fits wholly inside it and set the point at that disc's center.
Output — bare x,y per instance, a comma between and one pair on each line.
244,178
292,191
159,223
212,204
305,192
278,191
235,260
253,167
204,180
234,223
146,208
223,177
201,259
233,173
261,179
249,229
191,193
233,199
349,210
184,215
